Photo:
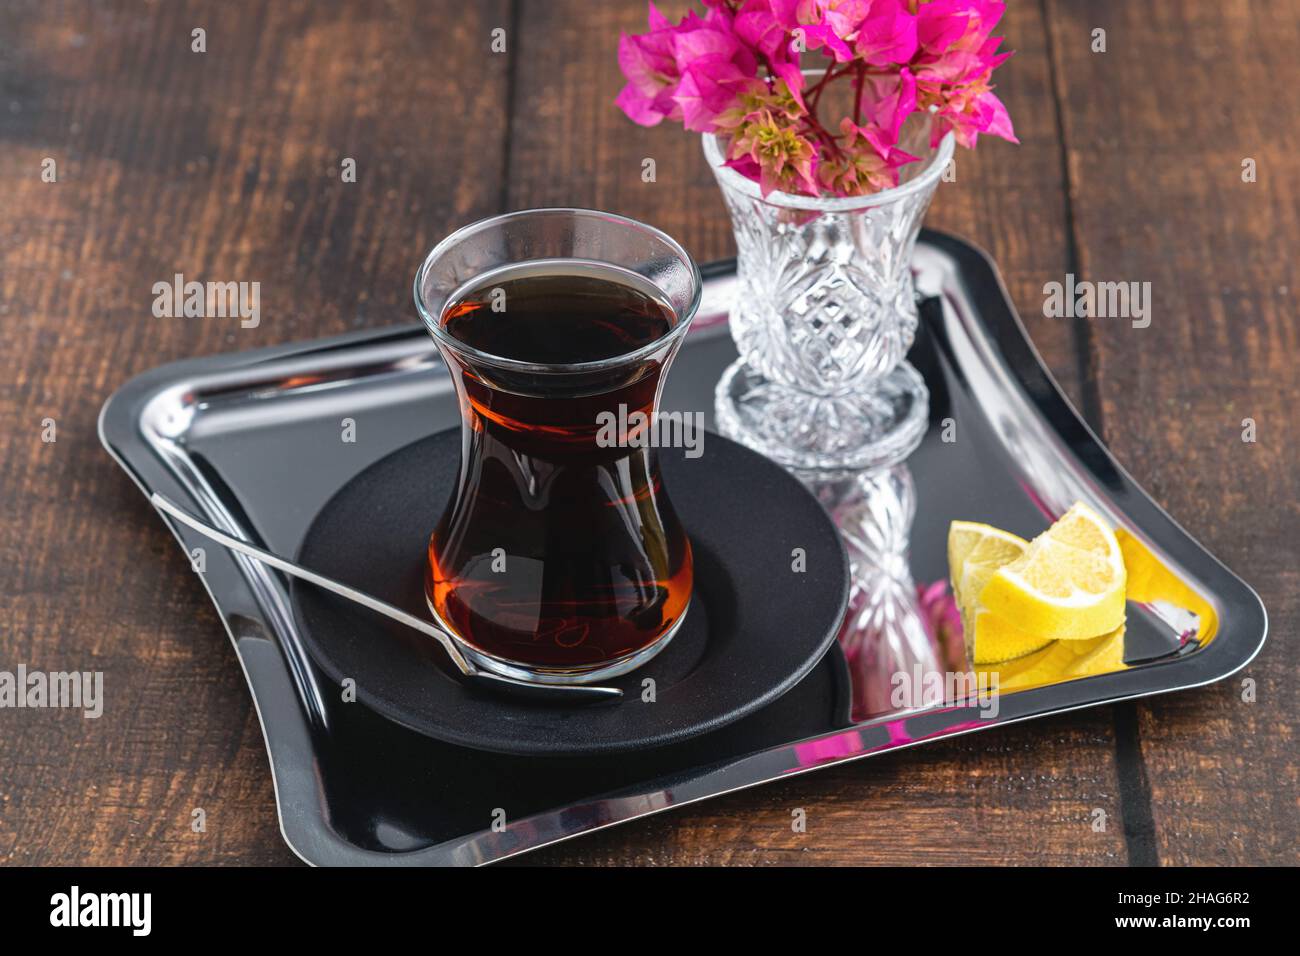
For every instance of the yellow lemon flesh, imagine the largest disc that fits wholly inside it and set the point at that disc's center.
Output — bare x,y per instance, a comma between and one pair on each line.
1068,585
981,544
975,552
1060,661
997,640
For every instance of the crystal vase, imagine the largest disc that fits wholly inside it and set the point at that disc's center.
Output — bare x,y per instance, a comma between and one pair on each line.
824,315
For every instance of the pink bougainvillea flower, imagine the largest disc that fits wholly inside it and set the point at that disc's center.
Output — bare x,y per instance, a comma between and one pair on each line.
648,62
690,71
757,25
845,17
956,57
865,164
793,13
715,65
814,24
876,31
779,100
735,71
887,34
887,100
707,90
941,23
953,41
819,35
970,111
784,160
713,35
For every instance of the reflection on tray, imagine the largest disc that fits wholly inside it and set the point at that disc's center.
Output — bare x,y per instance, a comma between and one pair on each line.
905,644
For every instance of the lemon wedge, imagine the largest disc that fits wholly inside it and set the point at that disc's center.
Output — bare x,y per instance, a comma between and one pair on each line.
996,639
975,553
981,545
1101,655
1060,661
1068,585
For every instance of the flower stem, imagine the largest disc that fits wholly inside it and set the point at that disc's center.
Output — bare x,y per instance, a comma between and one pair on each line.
857,93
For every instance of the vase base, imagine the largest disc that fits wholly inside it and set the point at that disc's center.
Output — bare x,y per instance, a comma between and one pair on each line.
872,428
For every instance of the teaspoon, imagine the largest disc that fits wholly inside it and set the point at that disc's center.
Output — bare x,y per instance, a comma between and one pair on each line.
550,693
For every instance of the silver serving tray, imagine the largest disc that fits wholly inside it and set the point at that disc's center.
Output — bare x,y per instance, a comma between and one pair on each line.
251,441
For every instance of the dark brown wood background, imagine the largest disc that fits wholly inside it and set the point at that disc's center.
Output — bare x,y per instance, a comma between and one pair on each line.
225,164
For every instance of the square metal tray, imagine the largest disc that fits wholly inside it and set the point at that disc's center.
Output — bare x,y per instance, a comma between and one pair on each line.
251,441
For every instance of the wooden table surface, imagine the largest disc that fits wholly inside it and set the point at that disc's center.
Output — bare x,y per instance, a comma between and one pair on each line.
225,164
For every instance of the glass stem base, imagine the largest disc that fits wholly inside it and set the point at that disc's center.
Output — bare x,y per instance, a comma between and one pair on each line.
875,426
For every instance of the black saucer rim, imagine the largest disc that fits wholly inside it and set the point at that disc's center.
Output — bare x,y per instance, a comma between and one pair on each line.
454,735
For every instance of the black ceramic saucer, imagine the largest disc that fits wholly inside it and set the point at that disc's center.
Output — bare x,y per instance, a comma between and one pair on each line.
756,625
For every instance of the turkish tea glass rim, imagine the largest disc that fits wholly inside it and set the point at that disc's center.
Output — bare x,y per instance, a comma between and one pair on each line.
433,322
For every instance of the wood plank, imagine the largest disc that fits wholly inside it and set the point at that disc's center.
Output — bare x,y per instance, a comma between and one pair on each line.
222,165
1157,128
225,165
1021,793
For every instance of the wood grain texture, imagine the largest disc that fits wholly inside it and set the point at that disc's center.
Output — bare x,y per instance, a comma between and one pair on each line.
222,165
1156,130
226,165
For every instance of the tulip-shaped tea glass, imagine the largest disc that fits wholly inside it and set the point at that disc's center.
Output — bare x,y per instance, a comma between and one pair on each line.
559,557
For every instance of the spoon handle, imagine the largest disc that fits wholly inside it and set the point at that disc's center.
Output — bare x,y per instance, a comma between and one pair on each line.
553,693
329,584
